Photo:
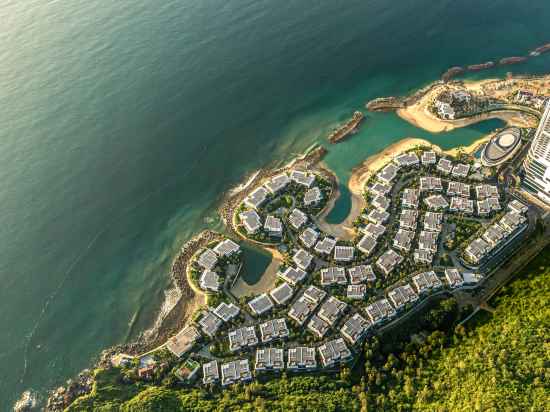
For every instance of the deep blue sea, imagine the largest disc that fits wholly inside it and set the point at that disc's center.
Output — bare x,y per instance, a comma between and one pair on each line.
123,122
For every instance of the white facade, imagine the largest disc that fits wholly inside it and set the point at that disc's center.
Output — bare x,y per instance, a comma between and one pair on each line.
537,162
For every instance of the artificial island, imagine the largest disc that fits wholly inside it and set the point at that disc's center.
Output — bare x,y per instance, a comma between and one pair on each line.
425,224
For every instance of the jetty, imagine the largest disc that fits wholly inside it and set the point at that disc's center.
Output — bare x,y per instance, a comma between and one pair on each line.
346,129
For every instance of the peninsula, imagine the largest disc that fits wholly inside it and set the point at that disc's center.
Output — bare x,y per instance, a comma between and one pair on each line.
429,227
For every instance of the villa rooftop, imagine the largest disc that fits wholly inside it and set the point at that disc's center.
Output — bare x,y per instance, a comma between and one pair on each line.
269,359
367,244
210,324
460,204
445,166
378,216
423,256
436,202
241,338
331,310
388,261
428,241
388,173
183,341
293,275
426,281
356,291
355,328
226,248
273,329
461,170
302,259
454,278
226,311
282,293
432,221
402,295
325,246
429,158
343,253
333,352
313,196
297,218
210,372
209,280
302,178
458,189
374,230
333,275
260,304
403,240
361,273
408,218
236,371
410,198
381,202
309,237
207,259
251,221
318,326
301,309
485,191
379,188
517,206
277,183
380,310
301,357
256,198
314,294
407,159
430,184
273,226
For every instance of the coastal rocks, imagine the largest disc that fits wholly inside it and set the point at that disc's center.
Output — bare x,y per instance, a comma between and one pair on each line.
345,130
26,403
62,397
512,60
385,104
539,50
481,66
452,72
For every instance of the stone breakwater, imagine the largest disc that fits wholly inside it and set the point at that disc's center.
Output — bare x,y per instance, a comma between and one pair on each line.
505,61
347,128
392,103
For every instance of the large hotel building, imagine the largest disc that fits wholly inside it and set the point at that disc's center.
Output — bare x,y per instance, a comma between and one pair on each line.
537,161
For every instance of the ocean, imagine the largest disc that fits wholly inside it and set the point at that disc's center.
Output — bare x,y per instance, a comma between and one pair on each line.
123,123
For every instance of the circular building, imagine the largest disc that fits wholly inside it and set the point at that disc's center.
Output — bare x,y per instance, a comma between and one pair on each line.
501,147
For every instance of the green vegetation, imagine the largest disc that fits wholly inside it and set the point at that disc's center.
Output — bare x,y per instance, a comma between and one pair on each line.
495,362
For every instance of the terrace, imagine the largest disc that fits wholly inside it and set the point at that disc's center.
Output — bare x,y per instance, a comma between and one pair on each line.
333,352
273,329
318,326
242,338
430,184
356,291
355,328
297,218
236,371
302,259
260,304
282,293
388,261
183,341
360,274
343,253
426,281
269,359
333,275
367,244
293,275
331,310
256,198
325,246
301,358
309,237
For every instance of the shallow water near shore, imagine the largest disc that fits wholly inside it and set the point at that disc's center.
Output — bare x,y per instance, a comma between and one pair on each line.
122,126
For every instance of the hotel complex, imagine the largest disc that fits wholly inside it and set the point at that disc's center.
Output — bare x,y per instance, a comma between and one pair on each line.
537,161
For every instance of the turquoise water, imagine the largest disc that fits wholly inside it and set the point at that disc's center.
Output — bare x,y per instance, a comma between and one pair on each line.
122,124
255,262
372,138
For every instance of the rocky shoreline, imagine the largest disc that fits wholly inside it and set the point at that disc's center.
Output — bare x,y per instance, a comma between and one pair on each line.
347,128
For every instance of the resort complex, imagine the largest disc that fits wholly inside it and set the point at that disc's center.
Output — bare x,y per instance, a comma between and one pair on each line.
430,224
